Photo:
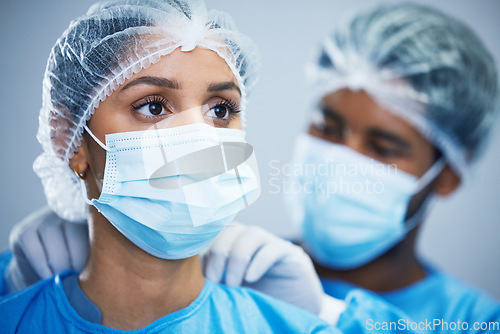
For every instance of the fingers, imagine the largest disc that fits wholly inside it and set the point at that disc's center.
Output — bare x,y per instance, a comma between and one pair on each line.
247,253
27,247
267,257
77,240
54,244
243,252
44,245
19,274
219,251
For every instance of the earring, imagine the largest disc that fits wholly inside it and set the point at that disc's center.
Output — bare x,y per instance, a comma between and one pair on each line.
81,175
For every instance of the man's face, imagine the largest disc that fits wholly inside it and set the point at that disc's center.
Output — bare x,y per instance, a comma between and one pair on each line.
355,119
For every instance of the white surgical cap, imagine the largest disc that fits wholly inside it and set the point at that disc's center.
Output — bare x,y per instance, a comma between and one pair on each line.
424,66
102,49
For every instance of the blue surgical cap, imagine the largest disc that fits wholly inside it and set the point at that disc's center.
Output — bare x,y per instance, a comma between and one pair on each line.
424,66
103,48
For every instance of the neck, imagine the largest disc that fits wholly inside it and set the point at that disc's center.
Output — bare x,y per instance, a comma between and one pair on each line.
396,269
131,287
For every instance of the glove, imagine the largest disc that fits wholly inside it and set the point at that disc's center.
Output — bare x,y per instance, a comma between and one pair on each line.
43,245
253,257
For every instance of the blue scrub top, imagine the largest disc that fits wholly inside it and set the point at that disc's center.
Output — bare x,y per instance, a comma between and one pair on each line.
5,258
44,308
437,296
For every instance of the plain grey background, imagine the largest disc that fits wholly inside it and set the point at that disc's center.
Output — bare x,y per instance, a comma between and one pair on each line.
462,236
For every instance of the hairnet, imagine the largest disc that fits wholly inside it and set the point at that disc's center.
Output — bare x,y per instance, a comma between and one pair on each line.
102,49
424,66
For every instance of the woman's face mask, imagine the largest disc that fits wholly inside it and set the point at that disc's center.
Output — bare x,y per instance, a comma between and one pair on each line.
171,191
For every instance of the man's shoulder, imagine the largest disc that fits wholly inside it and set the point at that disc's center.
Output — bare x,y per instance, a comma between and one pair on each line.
448,297
464,294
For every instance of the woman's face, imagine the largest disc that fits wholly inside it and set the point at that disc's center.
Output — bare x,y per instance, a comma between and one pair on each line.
354,119
182,88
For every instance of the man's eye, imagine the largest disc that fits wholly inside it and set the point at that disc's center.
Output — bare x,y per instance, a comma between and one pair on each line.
387,152
333,131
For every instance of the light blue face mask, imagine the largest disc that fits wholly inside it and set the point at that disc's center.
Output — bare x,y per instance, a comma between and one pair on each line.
171,191
351,209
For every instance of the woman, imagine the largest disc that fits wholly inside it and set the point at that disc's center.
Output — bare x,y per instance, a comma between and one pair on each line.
142,105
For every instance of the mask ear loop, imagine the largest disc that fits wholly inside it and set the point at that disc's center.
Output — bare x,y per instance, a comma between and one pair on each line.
423,182
84,192
430,175
104,147
82,182
419,215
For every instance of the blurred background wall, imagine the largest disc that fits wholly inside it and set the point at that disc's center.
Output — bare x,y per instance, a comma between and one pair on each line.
462,235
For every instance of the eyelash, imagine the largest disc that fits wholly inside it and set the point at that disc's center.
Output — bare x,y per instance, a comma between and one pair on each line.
387,152
230,104
150,99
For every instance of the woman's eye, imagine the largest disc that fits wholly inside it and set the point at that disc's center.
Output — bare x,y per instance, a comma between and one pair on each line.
154,108
220,111
155,105
223,110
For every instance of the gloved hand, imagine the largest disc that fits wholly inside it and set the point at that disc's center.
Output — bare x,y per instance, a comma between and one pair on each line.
253,257
43,245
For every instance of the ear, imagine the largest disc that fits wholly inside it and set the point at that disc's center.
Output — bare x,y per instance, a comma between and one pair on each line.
61,125
446,182
79,162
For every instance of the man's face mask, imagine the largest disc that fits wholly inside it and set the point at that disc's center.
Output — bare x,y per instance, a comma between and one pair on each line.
351,209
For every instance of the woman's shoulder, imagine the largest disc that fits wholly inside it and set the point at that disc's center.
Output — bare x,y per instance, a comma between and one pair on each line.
257,311
14,306
5,258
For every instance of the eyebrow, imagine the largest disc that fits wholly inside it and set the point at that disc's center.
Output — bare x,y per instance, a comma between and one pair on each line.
391,137
228,85
153,81
331,114
172,84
